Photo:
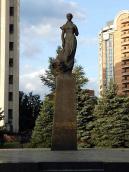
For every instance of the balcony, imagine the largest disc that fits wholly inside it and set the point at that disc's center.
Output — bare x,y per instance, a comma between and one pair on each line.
125,58
124,21
123,43
125,74
124,35
125,81
125,28
125,66
125,50
125,89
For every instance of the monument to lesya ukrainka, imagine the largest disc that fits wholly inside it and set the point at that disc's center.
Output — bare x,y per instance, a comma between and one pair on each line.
64,133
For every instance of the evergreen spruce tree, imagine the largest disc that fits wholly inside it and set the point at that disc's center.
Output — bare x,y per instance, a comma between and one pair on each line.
85,117
1,118
49,78
41,136
1,114
111,119
81,79
2,128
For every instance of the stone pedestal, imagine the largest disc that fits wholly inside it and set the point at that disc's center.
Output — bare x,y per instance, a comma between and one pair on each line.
64,135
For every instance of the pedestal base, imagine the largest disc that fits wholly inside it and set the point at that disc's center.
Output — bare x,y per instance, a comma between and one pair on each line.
64,136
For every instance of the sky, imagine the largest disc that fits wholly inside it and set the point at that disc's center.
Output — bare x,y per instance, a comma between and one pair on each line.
40,32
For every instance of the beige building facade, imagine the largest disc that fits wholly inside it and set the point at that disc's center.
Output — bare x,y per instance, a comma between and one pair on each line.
114,54
9,63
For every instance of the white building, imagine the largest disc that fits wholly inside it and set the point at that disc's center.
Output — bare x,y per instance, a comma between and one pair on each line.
9,62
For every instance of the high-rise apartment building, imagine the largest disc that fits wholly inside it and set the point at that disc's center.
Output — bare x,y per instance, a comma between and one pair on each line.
114,54
9,63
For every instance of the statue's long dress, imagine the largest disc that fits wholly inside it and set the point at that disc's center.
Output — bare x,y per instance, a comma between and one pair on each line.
67,54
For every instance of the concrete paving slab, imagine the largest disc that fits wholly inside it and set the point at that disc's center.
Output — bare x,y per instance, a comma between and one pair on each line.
46,155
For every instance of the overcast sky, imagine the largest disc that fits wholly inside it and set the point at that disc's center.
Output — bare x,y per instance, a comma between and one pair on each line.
40,35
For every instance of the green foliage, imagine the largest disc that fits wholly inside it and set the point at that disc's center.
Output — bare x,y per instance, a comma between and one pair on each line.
111,90
1,118
11,145
111,120
59,48
85,108
1,114
1,129
49,78
29,107
81,79
41,136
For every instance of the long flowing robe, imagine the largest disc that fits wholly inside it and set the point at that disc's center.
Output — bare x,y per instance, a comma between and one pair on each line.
66,56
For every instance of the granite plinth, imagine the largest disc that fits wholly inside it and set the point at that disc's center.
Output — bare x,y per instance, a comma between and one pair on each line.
64,135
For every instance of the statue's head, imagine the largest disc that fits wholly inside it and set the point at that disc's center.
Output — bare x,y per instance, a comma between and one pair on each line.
69,16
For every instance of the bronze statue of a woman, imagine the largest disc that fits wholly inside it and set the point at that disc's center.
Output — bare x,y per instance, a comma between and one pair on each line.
64,61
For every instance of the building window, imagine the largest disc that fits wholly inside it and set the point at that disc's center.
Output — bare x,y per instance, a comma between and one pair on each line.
124,70
125,77
11,28
10,96
11,46
11,62
11,11
10,115
124,62
109,59
10,79
125,85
